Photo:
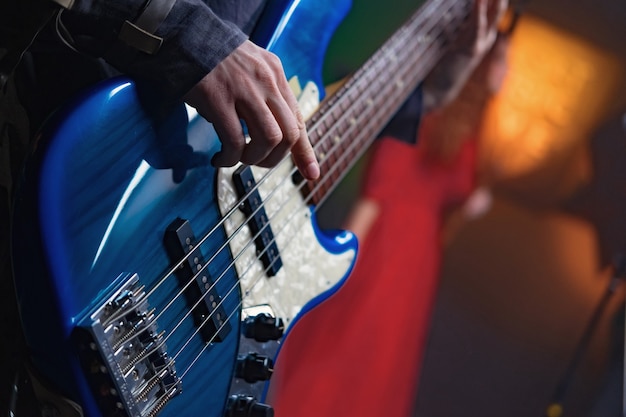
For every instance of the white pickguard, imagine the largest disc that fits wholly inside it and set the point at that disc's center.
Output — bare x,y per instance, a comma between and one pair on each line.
308,268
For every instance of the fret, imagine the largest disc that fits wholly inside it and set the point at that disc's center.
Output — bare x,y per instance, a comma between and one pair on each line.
358,107
349,121
331,119
320,130
352,95
314,119
343,123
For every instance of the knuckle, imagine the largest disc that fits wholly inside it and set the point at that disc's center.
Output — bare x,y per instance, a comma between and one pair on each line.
264,74
273,137
232,146
237,146
292,135
299,119
274,61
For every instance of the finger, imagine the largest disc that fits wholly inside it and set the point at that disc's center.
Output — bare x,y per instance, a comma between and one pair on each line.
271,147
302,151
493,12
481,18
488,15
265,134
229,130
471,31
276,155
270,122
501,7
495,15
288,116
304,157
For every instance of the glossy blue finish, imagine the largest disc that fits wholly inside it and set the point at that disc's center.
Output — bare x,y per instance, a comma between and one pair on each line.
336,242
301,34
106,195
105,182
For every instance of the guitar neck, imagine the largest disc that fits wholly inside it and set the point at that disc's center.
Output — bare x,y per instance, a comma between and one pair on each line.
347,122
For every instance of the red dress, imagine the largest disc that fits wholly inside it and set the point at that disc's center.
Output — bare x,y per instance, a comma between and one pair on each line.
359,352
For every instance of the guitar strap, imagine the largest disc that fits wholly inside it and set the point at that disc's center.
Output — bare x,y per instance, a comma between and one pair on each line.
66,4
139,34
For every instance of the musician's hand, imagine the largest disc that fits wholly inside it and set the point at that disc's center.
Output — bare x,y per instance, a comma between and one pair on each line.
475,38
250,85
478,34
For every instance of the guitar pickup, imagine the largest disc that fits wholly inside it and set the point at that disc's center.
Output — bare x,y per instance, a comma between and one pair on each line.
257,220
209,315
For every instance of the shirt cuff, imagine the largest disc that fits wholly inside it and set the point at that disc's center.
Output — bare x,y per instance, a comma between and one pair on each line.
195,40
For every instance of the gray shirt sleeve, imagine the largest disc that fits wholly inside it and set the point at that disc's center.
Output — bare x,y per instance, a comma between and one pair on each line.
195,39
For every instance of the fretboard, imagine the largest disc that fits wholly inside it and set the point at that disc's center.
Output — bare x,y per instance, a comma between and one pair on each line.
346,123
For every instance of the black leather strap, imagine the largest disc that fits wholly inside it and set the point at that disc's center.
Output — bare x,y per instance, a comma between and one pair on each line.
66,4
140,33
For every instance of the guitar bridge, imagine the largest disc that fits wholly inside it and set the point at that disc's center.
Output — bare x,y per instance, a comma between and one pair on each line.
124,355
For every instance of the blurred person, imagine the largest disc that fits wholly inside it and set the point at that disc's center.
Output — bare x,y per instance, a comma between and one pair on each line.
358,352
444,133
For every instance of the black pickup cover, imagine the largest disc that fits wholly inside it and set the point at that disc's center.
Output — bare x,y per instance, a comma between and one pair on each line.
257,220
179,241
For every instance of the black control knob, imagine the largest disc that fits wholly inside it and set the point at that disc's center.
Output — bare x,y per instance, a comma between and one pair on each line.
263,327
253,367
245,406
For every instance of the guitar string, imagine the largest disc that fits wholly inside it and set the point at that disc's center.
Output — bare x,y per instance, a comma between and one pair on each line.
318,185
258,277
405,32
234,311
308,198
359,78
356,79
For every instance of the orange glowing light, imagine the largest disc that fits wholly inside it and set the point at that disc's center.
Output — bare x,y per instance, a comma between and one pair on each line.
557,87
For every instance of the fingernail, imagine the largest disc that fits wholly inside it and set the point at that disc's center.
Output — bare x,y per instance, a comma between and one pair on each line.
312,171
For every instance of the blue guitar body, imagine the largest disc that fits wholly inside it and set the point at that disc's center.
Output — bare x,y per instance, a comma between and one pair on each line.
112,200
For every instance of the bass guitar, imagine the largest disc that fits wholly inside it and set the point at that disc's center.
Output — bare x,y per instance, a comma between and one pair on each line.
142,271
